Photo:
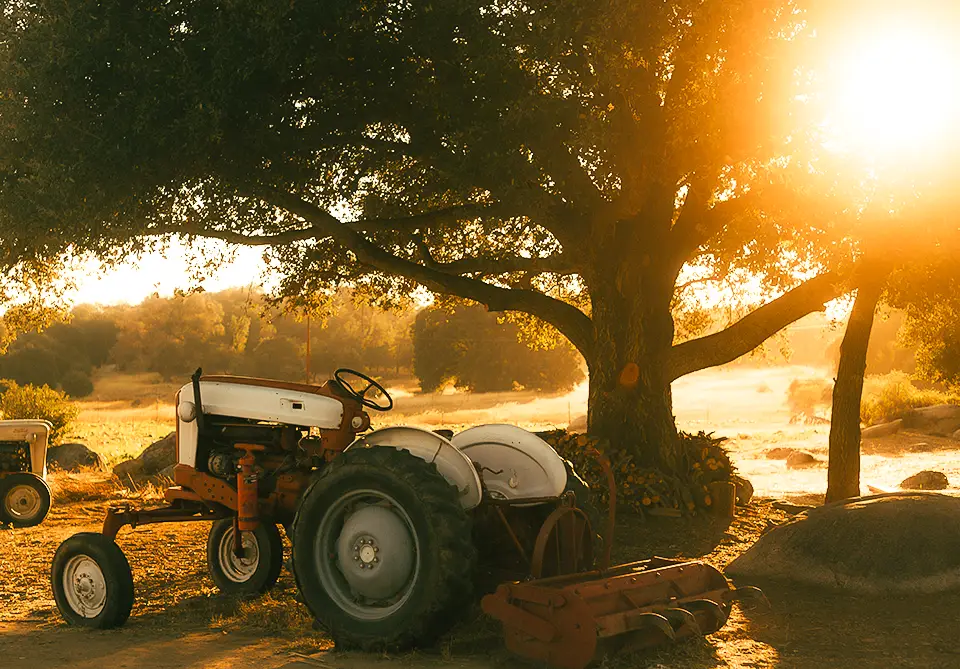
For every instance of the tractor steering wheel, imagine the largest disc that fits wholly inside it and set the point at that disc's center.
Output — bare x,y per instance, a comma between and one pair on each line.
361,396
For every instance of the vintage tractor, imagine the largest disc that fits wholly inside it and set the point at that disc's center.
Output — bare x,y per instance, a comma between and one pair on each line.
390,530
24,495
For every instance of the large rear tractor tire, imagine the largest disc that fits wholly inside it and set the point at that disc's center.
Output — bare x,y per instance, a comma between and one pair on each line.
91,580
24,499
382,550
252,573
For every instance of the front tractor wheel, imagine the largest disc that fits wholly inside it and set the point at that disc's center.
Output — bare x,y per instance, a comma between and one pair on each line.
92,582
256,569
24,499
382,550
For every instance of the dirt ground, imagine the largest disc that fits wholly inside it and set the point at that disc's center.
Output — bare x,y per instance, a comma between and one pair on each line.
180,620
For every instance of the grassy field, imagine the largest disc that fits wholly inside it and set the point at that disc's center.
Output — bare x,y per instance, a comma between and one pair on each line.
747,405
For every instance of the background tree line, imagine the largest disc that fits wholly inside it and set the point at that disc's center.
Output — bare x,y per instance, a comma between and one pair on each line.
239,331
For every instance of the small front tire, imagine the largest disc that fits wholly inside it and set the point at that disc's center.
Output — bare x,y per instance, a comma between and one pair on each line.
24,499
253,573
92,583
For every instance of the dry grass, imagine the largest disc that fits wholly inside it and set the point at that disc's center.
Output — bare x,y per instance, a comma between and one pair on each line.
175,595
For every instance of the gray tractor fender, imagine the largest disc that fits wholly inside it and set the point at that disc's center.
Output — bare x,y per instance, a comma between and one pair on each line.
453,465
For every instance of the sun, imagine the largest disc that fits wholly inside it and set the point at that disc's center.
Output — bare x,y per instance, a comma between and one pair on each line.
894,91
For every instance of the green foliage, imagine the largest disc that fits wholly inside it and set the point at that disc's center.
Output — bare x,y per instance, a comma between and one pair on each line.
529,131
703,461
76,384
473,349
64,355
890,396
560,158
28,401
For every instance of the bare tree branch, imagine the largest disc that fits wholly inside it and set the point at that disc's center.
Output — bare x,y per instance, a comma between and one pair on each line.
754,328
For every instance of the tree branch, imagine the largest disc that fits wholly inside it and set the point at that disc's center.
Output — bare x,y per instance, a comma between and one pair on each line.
698,223
278,239
429,218
572,322
559,264
754,328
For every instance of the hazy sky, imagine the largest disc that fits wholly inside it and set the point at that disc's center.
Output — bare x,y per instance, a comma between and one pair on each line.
136,279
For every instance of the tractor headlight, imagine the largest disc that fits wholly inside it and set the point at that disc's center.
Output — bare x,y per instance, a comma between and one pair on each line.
187,411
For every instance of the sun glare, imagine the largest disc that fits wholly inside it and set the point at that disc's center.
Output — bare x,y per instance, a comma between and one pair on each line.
895,92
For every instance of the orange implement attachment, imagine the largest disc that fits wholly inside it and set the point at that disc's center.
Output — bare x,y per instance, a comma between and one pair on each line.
568,621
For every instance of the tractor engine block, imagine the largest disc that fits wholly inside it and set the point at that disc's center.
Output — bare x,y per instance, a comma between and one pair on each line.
223,464
14,457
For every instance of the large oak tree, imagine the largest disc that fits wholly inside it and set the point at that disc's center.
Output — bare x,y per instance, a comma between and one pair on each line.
582,161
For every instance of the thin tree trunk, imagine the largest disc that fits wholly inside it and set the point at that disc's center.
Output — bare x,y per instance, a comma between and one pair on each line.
843,474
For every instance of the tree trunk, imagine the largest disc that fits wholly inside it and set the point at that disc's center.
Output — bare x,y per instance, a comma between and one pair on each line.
630,402
843,474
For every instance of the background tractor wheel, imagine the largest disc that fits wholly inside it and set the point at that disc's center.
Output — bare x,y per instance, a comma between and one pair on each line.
24,499
382,550
91,580
257,570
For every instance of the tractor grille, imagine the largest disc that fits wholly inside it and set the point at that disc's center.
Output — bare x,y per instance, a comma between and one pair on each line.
14,457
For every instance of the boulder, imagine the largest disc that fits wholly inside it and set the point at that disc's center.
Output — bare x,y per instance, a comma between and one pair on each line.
744,490
155,458
882,430
942,419
779,453
925,480
900,543
128,469
955,435
160,454
801,459
71,457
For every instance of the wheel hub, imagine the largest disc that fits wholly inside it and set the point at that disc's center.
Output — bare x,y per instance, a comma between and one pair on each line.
365,551
239,568
23,502
376,552
85,587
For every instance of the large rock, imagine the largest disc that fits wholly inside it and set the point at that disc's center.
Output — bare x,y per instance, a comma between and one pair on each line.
155,458
882,430
940,419
925,480
160,454
779,453
128,469
801,459
900,543
71,457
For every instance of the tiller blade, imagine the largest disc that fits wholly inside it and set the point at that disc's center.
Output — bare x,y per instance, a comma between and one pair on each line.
569,621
